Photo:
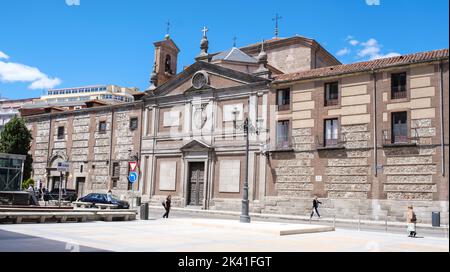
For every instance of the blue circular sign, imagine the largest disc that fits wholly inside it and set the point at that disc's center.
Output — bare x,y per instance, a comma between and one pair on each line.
133,177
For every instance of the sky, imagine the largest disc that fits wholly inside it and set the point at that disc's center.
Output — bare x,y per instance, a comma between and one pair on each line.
48,44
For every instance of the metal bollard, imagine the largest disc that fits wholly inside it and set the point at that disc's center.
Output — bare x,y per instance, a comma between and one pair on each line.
359,224
386,225
334,221
446,232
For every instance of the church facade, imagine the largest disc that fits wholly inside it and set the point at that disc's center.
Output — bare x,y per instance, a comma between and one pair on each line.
368,138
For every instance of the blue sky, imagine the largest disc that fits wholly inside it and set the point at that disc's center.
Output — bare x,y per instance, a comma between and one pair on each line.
46,43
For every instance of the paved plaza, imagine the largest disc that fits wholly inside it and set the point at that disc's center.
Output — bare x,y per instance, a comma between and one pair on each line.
201,235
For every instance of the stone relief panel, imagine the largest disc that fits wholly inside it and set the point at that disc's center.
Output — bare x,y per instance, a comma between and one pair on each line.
230,176
168,176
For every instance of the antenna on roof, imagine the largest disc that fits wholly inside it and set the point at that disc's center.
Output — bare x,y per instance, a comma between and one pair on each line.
234,41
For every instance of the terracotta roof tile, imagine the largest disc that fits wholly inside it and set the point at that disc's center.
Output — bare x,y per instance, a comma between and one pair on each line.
365,66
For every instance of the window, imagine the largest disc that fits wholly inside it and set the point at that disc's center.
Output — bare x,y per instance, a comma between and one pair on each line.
102,127
168,64
331,94
284,99
60,133
81,168
283,134
398,82
134,123
331,132
399,127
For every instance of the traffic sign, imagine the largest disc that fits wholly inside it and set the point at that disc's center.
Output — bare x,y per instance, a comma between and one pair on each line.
63,167
133,166
133,177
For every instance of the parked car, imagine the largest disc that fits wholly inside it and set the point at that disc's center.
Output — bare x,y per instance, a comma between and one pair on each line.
105,199
67,195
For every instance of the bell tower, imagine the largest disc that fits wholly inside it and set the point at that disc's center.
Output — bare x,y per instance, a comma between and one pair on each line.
166,59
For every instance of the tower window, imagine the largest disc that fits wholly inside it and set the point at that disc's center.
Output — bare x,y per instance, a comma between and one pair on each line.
60,133
168,68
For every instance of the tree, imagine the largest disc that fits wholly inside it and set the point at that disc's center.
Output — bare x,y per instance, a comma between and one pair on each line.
16,139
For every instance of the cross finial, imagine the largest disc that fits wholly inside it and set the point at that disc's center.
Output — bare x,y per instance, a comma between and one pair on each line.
276,19
234,41
168,27
204,30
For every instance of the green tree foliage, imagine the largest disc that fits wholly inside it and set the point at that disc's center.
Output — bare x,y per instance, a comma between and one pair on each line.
16,139
27,183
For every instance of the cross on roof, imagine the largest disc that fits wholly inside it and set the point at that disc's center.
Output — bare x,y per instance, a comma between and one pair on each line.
276,19
168,26
204,30
234,41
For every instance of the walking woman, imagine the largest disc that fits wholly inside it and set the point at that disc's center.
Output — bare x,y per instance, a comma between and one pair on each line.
411,220
167,206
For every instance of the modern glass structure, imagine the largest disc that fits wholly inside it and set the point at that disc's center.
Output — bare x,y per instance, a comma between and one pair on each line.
11,172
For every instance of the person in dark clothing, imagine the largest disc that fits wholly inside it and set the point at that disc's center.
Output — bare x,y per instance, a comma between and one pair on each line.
167,206
316,203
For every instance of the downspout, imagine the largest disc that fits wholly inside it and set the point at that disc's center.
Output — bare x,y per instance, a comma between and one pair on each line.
375,132
140,150
111,148
441,105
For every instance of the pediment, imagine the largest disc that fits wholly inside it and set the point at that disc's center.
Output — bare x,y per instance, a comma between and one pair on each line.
195,145
218,78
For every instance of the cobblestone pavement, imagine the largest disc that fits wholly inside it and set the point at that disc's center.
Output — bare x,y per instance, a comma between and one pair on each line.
179,235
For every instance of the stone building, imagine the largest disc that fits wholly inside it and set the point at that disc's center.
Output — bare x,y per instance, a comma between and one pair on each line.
368,138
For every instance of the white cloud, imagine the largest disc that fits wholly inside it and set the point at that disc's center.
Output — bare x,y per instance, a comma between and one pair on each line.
3,55
343,52
354,42
372,50
11,72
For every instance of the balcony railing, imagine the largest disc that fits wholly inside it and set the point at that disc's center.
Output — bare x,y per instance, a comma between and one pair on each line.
398,92
399,140
283,145
329,143
331,102
284,107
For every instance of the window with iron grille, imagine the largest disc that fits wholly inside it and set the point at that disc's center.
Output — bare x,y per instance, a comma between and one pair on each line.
398,82
284,99
331,132
116,170
60,133
399,127
134,123
102,127
283,134
331,94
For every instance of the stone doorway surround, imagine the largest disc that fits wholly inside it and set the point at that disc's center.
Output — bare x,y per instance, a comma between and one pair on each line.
197,152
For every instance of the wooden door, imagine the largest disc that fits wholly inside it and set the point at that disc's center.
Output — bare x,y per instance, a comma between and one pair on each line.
196,183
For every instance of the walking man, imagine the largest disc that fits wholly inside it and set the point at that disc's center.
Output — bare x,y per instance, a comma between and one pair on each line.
316,203
167,206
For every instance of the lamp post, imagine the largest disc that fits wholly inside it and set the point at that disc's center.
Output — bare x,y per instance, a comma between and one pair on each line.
248,128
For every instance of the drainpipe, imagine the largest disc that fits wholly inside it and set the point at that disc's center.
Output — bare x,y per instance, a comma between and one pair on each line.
111,147
375,132
141,134
441,105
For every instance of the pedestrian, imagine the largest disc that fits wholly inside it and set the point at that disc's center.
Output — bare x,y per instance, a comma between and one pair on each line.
109,195
411,221
46,196
167,205
315,207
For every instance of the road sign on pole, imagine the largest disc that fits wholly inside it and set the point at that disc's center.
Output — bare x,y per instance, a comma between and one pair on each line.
133,177
133,166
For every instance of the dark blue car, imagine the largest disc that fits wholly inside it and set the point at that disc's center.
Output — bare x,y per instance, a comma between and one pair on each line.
105,199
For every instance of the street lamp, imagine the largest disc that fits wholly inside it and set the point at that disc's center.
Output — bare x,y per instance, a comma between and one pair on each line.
248,128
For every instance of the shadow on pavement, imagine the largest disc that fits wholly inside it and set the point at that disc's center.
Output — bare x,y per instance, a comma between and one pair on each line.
16,242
